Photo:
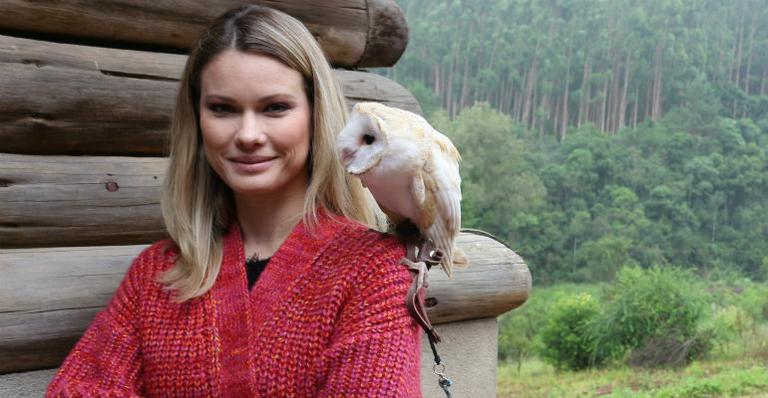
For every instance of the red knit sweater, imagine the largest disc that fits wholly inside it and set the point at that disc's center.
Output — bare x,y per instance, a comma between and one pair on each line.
326,318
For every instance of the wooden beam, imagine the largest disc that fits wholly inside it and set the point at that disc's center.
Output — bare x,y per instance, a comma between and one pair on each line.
496,281
79,200
353,33
49,296
70,99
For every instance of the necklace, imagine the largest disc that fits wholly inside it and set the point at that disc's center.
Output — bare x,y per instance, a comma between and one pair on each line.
253,257
284,229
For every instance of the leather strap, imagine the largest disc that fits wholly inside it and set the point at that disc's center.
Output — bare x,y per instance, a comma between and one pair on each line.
421,255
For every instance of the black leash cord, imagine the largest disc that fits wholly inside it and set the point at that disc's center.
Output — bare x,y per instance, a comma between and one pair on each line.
439,369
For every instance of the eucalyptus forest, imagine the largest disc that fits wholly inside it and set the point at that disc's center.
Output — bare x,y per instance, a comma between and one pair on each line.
596,133
621,148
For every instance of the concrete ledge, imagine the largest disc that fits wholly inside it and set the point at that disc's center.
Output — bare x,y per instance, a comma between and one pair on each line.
25,384
468,350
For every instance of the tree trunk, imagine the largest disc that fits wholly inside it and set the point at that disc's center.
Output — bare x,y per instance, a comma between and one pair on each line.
738,56
613,99
750,55
566,96
464,85
634,110
657,71
556,118
449,101
585,93
604,104
648,99
506,96
529,101
739,49
623,104
465,75
532,125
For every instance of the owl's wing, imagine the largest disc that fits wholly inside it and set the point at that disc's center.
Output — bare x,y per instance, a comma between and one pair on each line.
442,180
446,148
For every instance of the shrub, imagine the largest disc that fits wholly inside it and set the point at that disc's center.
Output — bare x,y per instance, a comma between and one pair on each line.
731,323
648,308
519,329
566,341
665,351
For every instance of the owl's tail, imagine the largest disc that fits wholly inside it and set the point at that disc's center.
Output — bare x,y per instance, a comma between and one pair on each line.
460,259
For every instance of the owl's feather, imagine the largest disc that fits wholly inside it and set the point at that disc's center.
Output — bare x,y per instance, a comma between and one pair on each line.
410,168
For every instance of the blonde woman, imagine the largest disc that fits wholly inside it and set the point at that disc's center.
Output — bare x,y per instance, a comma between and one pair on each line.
271,284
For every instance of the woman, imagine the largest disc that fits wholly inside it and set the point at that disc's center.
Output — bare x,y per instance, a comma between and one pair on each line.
253,175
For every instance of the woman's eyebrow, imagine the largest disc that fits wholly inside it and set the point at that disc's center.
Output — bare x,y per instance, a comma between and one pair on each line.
271,97
265,98
210,97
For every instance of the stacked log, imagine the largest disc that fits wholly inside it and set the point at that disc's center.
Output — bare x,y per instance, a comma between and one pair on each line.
56,292
353,33
72,99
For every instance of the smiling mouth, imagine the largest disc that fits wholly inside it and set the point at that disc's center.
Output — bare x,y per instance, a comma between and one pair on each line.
253,159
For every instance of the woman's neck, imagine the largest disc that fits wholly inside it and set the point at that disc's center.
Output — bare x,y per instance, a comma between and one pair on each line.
267,220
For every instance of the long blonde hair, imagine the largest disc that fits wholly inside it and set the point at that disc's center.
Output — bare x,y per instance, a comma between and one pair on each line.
197,205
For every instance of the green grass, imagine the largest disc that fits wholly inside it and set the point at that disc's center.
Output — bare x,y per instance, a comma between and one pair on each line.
713,378
736,365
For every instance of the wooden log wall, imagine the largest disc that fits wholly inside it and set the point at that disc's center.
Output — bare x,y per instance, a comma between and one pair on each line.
86,93
353,33
49,296
71,99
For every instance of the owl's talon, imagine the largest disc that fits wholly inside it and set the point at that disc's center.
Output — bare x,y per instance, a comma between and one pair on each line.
429,254
421,271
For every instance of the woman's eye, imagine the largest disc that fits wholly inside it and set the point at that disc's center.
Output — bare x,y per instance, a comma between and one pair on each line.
277,108
220,108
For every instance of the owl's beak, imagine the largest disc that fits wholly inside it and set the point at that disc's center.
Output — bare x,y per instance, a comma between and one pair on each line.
347,155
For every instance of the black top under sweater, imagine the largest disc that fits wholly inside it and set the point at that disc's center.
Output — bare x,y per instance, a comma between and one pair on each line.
253,268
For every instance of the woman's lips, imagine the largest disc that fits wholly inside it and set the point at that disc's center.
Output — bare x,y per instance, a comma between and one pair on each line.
253,164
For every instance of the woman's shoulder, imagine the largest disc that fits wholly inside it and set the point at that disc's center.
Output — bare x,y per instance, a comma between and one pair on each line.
157,257
359,250
358,237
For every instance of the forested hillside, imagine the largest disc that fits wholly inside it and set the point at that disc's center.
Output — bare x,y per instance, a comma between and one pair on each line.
597,134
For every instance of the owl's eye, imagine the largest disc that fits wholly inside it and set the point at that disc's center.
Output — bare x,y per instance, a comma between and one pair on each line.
368,139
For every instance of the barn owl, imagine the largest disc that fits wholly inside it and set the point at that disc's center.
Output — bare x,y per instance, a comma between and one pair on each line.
411,169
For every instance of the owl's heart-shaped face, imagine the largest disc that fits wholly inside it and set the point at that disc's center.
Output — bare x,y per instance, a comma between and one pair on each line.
362,143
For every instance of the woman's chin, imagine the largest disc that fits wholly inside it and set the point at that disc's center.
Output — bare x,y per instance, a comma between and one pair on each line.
253,188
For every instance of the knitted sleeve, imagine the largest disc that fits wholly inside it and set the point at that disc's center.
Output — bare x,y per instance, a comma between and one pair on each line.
377,345
105,362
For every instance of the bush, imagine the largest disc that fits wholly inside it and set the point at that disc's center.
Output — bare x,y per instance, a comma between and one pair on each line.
648,308
516,337
666,351
519,329
730,323
566,340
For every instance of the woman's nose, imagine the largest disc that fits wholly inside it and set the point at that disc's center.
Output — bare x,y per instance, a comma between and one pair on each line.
251,131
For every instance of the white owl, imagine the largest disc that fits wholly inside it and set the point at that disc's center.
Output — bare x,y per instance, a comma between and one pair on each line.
411,169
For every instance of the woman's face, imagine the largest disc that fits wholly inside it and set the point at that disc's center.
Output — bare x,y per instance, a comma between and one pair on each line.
255,119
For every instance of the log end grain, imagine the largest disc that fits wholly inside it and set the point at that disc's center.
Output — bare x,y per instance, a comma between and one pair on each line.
387,34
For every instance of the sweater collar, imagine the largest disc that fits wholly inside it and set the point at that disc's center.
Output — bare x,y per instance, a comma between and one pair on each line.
297,254
298,250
